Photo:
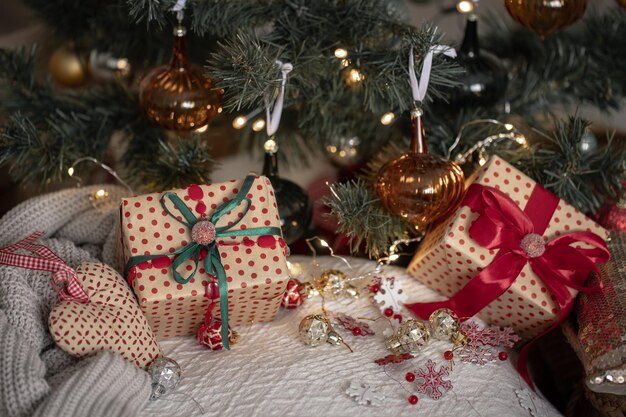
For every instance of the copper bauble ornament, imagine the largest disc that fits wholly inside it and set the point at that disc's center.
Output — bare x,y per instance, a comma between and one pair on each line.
68,68
419,186
622,3
545,17
179,96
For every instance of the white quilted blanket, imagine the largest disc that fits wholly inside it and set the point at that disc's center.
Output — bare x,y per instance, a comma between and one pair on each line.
271,373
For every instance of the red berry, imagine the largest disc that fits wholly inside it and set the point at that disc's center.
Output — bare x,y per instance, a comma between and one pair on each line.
388,312
448,355
357,331
503,356
398,317
375,288
413,399
410,376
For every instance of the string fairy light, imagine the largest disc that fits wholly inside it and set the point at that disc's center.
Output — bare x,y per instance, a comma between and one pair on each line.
511,134
393,253
100,194
387,118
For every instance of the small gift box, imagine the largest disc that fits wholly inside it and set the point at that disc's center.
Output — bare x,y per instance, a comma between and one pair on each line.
190,252
512,251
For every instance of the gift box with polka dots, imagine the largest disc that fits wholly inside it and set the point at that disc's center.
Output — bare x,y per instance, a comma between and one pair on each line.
449,258
255,266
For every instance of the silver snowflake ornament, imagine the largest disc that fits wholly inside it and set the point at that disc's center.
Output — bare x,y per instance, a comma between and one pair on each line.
364,394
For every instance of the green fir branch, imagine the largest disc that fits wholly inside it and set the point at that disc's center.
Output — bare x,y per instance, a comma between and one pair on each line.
363,219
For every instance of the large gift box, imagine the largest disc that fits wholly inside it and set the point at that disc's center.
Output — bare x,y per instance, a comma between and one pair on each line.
521,229
187,249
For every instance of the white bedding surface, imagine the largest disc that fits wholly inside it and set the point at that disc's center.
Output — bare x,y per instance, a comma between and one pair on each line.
271,373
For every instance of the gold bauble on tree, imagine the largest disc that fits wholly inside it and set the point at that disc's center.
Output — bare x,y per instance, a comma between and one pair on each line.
67,67
545,17
419,186
179,96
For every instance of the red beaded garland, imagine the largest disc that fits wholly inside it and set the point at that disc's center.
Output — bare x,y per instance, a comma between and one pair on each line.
374,288
448,355
413,399
410,376
356,331
503,356
398,317
388,312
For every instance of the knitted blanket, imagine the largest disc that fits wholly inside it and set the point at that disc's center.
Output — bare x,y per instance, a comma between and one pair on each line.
36,377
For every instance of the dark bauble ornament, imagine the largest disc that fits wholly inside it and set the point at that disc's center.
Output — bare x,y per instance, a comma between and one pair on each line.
68,68
545,17
294,207
179,96
485,79
419,186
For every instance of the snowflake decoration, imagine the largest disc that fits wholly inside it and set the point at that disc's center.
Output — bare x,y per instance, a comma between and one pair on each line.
432,382
528,401
350,323
389,359
502,336
492,336
390,295
364,394
476,355
477,336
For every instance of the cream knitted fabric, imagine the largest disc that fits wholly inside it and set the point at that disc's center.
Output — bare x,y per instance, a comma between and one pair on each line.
103,385
67,214
35,375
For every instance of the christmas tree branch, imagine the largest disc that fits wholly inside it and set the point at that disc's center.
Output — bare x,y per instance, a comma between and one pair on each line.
579,65
363,219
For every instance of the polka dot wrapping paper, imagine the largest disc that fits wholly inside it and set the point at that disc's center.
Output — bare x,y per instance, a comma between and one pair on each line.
255,266
449,258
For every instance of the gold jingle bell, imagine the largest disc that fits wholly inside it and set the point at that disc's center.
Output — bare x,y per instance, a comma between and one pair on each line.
443,324
314,330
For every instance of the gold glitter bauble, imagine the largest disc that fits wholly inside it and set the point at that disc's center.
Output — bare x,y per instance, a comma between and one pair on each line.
68,68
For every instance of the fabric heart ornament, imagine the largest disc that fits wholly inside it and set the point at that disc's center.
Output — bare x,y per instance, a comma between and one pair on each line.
110,320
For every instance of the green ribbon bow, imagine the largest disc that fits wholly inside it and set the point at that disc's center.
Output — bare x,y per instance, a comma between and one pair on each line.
212,261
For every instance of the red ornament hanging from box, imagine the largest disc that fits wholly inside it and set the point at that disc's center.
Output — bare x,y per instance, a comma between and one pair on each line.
512,252
179,95
293,296
419,186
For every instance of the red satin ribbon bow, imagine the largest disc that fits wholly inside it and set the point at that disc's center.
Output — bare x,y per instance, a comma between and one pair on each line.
64,280
517,234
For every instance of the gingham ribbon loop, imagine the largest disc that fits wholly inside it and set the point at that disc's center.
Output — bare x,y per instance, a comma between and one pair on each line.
64,279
